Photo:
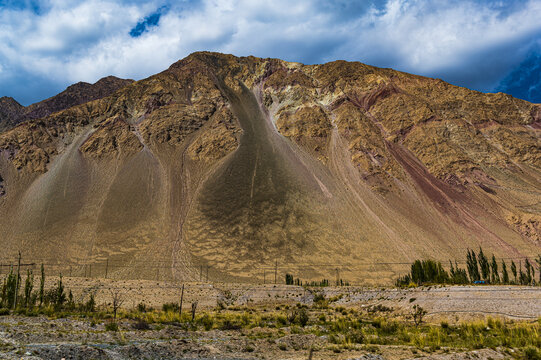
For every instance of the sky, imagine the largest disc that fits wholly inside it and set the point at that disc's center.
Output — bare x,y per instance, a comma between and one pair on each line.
486,45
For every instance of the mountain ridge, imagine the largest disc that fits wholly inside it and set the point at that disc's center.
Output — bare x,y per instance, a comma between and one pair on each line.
75,94
236,163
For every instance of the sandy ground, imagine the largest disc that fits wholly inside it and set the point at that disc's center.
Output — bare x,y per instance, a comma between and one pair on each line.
514,302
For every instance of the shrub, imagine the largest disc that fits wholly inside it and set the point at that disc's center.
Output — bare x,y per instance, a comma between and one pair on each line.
319,298
170,307
355,337
444,324
227,324
303,317
90,305
56,296
531,353
291,316
281,320
141,324
207,321
111,326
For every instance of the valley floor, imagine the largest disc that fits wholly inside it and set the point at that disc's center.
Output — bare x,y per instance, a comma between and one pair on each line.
237,321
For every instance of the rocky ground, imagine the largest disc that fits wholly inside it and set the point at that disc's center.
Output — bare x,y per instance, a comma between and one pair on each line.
41,337
44,338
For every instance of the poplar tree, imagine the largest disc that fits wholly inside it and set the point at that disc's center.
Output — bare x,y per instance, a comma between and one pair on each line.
494,268
505,275
473,269
514,270
538,261
484,265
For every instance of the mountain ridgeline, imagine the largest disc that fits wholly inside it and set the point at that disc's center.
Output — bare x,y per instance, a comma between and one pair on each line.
13,113
244,166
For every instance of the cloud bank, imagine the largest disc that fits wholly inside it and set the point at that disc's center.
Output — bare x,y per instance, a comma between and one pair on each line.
48,45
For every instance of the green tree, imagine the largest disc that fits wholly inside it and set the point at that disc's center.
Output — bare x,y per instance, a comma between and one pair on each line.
3,296
56,295
90,305
417,272
538,261
505,274
484,265
28,286
530,272
9,290
473,268
514,270
289,279
460,276
522,277
495,277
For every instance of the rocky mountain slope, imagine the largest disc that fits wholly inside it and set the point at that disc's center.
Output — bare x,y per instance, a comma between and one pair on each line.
247,164
12,113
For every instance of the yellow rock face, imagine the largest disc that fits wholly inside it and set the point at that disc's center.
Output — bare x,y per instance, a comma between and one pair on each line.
239,163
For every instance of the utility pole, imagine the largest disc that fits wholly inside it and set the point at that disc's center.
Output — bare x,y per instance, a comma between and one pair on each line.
207,274
17,281
90,271
181,299
106,267
275,270
264,276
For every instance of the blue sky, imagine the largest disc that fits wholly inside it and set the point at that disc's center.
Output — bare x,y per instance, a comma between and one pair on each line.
487,45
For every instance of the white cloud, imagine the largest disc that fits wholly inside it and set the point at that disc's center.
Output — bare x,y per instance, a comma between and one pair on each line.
470,42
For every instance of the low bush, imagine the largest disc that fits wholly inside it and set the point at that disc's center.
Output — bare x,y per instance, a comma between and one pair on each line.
111,326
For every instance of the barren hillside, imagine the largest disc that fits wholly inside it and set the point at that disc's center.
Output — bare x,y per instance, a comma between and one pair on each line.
240,164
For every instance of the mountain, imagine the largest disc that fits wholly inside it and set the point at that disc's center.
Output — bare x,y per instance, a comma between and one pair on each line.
245,166
10,110
12,113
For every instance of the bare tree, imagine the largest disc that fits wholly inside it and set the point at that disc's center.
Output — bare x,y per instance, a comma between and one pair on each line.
417,314
117,298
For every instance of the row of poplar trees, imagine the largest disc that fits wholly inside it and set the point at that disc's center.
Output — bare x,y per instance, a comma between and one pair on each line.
16,295
479,268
